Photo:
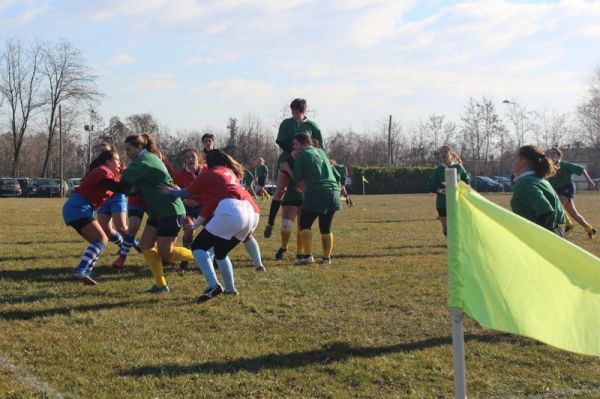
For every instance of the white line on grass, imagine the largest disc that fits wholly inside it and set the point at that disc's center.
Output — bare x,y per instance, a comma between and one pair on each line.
31,380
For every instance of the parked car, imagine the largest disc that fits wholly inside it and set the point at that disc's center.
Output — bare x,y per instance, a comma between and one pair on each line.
485,184
505,181
10,187
72,184
47,187
28,187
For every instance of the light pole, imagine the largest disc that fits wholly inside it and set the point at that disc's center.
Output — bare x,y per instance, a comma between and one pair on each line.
521,132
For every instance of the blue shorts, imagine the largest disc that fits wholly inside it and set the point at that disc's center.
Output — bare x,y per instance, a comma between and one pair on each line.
77,207
115,204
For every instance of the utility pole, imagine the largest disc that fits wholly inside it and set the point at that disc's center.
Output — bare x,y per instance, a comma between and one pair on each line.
60,150
390,141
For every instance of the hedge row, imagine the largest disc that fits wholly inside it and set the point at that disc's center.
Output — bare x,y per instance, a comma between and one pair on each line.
391,180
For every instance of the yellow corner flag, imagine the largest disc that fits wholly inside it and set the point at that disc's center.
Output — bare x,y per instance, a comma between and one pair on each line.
514,276
364,179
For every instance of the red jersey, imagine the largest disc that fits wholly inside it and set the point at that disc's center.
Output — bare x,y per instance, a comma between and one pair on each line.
169,168
184,177
215,184
90,186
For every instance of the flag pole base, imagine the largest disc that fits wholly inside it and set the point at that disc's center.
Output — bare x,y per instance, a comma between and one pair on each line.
458,353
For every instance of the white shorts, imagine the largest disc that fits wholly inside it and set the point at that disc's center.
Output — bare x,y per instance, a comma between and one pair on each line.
233,218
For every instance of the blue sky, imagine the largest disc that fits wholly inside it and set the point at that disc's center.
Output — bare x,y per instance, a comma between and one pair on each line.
193,64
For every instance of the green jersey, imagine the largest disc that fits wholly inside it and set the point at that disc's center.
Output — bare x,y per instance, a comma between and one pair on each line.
262,171
563,174
321,189
438,181
248,178
341,169
289,128
146,172
533,197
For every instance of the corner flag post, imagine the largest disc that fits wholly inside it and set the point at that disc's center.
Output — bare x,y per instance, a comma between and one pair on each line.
458,334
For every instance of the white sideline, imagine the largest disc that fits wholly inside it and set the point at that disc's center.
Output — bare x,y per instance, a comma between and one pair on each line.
31,380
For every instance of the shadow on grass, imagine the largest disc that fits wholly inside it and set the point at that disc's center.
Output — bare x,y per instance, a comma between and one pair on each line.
395,221
29,257
67,310
414,246
336,352
61,273
74,241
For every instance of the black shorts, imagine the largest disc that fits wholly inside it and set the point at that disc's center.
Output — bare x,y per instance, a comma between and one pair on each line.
262,180
291,203
79,224
192,212
567,191
442,212
137,212
167,226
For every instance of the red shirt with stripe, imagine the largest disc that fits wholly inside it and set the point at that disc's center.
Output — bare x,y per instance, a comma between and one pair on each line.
215,184
90,186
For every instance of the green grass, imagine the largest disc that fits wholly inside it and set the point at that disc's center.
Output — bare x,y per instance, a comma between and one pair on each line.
373,324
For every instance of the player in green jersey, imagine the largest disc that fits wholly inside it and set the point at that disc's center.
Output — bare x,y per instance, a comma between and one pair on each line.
298,123
320,198
262,173
565,188
533,197
437,182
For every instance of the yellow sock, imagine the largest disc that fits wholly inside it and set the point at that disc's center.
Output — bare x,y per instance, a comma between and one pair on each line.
181,254
156,266
307,241
299,243
569,221
327,241
588,228
285,238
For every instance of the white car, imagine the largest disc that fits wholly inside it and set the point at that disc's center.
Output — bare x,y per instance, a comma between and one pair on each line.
72,184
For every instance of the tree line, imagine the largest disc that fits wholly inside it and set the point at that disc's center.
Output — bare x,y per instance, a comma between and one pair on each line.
36,78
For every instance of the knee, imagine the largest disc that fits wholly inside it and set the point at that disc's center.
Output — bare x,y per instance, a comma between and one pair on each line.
287,225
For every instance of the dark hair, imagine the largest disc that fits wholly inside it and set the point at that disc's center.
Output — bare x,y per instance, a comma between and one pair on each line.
453,154
298,104
555,149
208,136
303,138
219,158
101,159
143,140
537,160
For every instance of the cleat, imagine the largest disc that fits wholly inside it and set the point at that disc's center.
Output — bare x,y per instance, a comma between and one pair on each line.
305,260
268,231
279,254
119,262
210,293
158,290
260,268
592,233
324,261
84,278
184,266
136,246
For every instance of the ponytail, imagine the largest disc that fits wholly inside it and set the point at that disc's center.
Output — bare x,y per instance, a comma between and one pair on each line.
219,158
537,160
143,140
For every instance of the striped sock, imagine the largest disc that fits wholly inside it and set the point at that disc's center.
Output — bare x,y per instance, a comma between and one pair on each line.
117,238
91,254
127,244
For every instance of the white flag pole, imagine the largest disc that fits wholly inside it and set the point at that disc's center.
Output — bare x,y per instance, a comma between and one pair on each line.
458,333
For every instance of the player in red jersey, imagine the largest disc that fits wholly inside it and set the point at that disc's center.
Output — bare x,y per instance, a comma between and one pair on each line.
79,211
183,178
229,214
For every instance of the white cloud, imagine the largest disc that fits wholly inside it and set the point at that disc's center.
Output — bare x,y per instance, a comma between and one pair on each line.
121,59
157,82
31,14
223,58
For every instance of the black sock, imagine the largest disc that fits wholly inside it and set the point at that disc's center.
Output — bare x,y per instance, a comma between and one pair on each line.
273,211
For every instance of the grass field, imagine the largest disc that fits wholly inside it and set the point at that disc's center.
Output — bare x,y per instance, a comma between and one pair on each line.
374,324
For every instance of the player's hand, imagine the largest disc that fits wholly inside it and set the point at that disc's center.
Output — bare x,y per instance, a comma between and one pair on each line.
188,227
300,187
294,154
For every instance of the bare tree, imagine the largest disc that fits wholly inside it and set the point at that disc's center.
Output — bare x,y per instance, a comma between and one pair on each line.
19,86
589,112
68,79
142,123
550,128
